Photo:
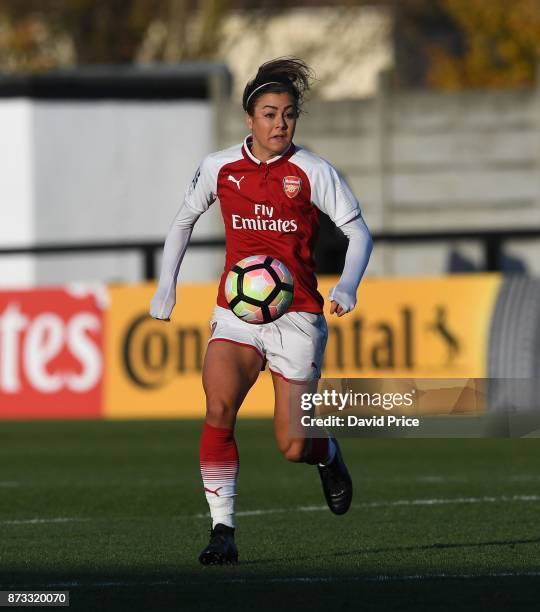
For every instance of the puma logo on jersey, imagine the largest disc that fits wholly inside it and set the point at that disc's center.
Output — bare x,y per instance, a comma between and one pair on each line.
237,181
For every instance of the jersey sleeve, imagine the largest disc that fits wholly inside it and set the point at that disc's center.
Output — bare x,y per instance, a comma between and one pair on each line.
202,191
331,194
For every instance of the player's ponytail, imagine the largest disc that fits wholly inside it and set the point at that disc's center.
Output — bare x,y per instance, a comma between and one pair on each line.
282,75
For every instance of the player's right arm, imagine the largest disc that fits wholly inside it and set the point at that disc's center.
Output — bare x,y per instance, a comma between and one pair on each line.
199,196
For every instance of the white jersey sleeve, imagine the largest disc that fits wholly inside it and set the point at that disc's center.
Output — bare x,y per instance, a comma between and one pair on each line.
202,192
329,190
199,195
331,194
356,261
173,253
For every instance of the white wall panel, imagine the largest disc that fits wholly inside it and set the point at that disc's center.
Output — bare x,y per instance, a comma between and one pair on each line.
16,190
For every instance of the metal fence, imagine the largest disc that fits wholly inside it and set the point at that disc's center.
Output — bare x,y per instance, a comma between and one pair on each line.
492,242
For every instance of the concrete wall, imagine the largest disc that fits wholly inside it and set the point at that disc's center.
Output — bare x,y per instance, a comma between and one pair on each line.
76,171
116,171
430,161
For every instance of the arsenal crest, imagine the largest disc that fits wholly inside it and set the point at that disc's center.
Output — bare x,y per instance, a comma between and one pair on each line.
292,186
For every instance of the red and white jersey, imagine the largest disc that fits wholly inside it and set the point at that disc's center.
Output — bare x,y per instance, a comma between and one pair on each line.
272,208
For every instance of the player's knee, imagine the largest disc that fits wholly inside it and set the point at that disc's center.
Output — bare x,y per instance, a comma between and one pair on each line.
220,412
294,451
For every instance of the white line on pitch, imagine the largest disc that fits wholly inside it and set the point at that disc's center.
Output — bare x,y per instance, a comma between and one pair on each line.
41,521
262,511
397,502
291,579
453,500
386,578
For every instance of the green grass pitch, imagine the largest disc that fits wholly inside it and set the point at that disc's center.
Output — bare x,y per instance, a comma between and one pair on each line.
114,512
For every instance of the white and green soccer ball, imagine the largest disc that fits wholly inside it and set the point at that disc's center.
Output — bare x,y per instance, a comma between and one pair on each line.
259,289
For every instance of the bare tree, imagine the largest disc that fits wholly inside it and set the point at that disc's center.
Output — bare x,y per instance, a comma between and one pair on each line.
106,31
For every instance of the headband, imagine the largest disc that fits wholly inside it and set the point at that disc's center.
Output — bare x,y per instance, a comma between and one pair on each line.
263,85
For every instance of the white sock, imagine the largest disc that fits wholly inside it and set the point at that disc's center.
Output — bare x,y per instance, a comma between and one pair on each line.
221,511
220,494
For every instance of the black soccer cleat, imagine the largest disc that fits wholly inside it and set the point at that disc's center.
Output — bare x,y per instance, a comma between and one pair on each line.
221,549
336,483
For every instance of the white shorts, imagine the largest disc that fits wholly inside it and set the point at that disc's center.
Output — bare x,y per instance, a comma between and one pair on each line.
293,345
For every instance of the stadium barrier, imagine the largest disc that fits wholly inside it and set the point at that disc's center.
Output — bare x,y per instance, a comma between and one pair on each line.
93,352
491,241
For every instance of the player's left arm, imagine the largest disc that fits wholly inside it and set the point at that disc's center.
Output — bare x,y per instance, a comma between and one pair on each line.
343,295
334,197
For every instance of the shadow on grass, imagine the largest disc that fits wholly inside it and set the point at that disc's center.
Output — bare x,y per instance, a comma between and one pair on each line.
232,588
398,549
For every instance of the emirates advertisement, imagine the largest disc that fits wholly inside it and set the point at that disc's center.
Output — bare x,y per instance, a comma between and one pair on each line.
51,353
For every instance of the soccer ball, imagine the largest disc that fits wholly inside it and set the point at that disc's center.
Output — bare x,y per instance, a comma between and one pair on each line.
259,289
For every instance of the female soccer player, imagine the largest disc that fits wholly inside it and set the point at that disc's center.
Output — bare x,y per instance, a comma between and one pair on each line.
267,178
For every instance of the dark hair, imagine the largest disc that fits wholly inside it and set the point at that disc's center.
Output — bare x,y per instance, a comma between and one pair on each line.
284,75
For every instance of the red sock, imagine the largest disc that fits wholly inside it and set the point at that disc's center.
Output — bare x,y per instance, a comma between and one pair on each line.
219,471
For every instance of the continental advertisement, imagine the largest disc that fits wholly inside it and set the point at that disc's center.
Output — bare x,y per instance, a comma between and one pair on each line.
95,353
